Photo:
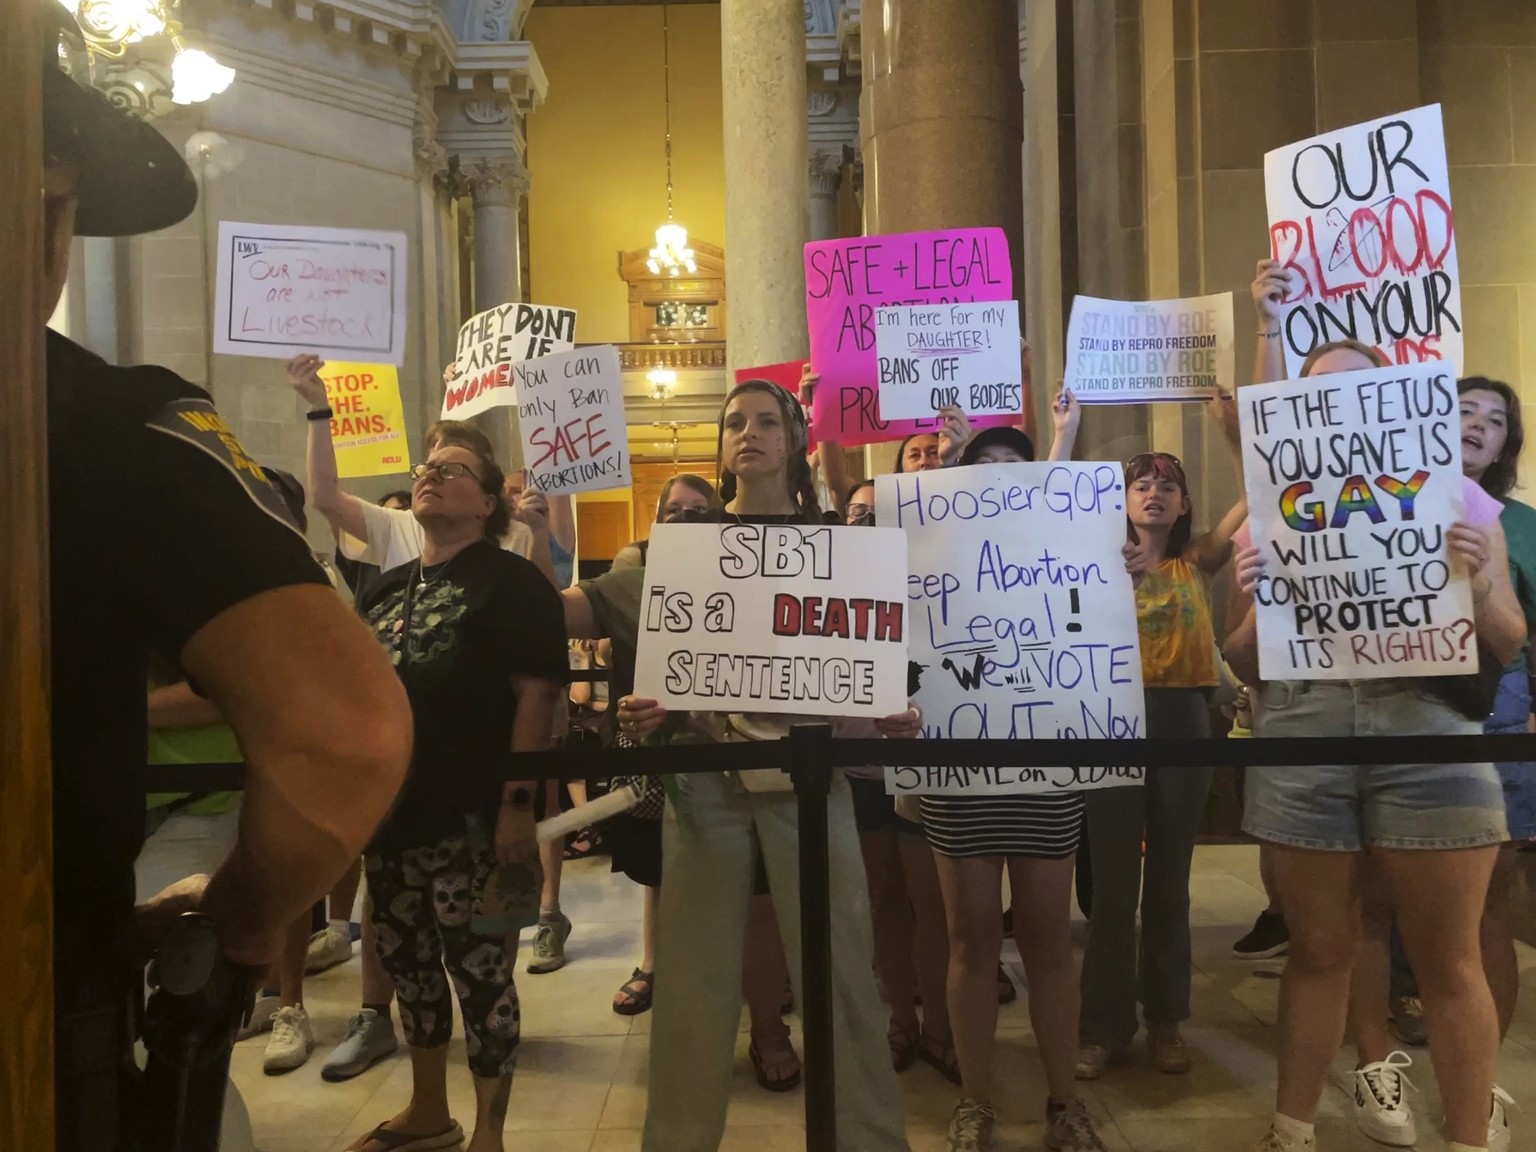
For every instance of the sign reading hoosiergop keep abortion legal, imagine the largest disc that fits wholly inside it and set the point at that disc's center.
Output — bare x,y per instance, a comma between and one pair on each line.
1023,617
1353,481
789,618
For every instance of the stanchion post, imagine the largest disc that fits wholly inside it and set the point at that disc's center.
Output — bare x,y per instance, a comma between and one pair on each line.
810,766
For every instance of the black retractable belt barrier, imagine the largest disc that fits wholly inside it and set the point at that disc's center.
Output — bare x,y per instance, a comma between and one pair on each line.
810,755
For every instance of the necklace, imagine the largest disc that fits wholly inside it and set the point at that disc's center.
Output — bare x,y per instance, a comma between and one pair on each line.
423,581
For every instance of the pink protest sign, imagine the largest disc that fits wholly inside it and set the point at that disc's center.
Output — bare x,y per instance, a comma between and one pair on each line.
846,280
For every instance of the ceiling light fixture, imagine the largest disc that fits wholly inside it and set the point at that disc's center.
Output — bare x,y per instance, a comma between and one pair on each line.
671,253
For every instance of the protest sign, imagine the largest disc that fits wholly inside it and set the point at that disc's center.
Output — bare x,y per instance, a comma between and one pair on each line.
368,428
1362,219
847,280
934,356
494,340
284,290
1353,481
1133,352
1023,617
787,618
570,410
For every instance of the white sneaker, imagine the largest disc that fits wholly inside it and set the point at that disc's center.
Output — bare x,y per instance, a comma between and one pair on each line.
262,1013
1381,1110
331,946
1274,1142
1498,1121
291,1041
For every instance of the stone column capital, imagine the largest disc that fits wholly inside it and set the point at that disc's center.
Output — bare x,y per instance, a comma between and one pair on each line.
494,180
826,170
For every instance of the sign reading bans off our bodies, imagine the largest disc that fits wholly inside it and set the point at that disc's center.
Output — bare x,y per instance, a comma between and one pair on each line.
1129,352
846,281
786,618
1362,219
283,291
570,412
1353,481
1023,617
935,356
368,425
494,340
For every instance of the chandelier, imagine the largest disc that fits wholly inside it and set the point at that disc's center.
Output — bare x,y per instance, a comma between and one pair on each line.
663,382
671,253
109,27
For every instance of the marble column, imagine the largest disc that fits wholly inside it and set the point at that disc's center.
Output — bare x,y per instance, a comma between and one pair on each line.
941,118
826,179
766,216
496,184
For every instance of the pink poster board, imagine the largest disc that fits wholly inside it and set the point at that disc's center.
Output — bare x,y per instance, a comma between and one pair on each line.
846,280
787,376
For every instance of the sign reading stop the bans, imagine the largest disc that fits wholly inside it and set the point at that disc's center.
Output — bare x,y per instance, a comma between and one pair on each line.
368,425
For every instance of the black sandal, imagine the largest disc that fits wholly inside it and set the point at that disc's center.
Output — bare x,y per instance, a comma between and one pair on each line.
760,1066
904,1045
940,1055
588,836
639,1003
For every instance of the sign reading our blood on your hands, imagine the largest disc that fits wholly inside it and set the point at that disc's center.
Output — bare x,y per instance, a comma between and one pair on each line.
490,343
846,281
368,428
1362,219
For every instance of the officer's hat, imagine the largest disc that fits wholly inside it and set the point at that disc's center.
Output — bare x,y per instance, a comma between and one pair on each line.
131,178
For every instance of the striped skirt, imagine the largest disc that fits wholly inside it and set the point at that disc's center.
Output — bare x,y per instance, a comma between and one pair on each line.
1045,825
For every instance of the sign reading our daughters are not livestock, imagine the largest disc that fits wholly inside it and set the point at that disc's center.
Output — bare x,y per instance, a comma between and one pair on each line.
570,412
1353,481
935,356
1133,352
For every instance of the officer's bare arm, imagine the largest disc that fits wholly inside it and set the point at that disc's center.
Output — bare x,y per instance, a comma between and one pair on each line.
177,706
326,730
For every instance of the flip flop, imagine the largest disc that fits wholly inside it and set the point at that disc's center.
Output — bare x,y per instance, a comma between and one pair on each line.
759,1065
387,1140
639,1002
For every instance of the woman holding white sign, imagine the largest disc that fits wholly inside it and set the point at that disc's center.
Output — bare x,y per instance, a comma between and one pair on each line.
714,826
1432,830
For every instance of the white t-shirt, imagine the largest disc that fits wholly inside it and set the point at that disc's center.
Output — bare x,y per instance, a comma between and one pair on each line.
395,538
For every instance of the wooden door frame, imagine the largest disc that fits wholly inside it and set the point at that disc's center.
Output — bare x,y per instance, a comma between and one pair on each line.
26,829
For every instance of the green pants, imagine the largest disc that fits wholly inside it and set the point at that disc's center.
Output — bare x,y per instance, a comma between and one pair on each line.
709,835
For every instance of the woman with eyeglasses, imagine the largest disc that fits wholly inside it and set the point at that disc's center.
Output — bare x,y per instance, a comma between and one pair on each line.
477,636
1170,567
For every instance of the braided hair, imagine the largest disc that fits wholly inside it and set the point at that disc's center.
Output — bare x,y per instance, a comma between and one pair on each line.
802,489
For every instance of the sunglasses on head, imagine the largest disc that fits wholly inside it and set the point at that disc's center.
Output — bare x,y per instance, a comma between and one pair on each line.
1142,457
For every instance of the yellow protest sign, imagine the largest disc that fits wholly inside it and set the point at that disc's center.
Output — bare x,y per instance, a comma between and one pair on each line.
368,425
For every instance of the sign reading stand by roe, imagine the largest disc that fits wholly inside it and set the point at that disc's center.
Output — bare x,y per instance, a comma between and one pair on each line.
786,618
494,340
1129,352
1023,616
1362,219
570,412
847,280
935,356
1353,481
284,290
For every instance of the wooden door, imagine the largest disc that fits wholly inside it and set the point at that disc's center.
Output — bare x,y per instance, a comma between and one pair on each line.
602,527
26,843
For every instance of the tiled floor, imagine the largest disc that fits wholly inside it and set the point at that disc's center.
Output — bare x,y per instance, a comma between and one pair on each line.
581,1083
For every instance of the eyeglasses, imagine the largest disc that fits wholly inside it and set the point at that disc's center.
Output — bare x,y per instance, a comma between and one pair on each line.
860,512
448,470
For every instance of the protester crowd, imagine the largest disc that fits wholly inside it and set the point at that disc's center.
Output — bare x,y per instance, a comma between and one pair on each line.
1389,886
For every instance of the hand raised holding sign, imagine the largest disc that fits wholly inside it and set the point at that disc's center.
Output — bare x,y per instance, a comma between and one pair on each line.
954,434
906,725
1272,283
304,378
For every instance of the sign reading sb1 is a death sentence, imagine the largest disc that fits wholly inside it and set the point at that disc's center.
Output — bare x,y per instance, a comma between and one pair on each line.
1353,481
935,356
847,280
570,412
494,340
788,618
285,290
368,425
1023,616
1362,219
1129,352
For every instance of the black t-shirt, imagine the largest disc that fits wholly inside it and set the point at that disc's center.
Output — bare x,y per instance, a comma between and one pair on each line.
159,521
474,623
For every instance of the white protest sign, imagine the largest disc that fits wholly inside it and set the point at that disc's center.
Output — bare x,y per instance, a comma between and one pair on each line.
284,290
1353,480
1132,352
1023,617
494,340
788,618
934,356
570,412
1362,218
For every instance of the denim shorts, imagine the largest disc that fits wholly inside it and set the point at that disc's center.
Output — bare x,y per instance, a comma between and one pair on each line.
1347,807
1512,713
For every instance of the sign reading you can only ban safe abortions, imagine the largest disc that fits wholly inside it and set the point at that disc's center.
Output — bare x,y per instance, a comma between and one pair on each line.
846,281
1022,616
1362,219
284,290
934,356
784,618
570,412
1353,481
490,343
1132,352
